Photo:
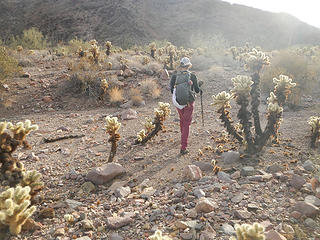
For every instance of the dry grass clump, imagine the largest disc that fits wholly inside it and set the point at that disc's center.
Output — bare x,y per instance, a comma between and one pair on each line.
116,95
150,88
135,96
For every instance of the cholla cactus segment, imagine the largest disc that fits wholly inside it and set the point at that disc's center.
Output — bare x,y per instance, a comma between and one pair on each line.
24,128
255,59
69,218
272,98
158,236
221,99
165,108
314,122
33,180
241,85
108,44
14,208
284,82
104,84
93,42
4,126
141,135
274,107
249,232
112,125
149,124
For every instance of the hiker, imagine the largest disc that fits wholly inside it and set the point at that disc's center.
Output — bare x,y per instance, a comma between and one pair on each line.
183,84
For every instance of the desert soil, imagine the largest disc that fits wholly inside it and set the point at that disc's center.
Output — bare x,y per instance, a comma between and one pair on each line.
155,166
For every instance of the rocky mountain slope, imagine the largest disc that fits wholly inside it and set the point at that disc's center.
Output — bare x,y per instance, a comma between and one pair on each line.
126,22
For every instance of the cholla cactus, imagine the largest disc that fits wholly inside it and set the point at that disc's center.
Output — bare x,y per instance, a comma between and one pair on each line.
104,85
69,218
283,87
112,128
94,50
80,52
108,45
222,102
149,126
32,179
241,85
314,122
109,65
145,60
11,168
161,114
14,208
249,232
158,236
153,49
255,60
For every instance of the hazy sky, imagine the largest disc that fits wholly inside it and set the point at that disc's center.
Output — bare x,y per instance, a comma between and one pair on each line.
306,10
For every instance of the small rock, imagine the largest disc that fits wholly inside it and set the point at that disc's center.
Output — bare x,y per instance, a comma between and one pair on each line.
118,222
205,205
26,75
73,204
88,187
128,73
105,173
129,114
192,213
47,213
313,200
225,177
116,185
238,198
309,222
122,192
31,225
297,181
47,99
186,235
116,236
308,166
83,238
274,235
193,172
274,168
236,175
199,193
148,192
296,214
230,157
86,225
307,209
242,214
204,166
247,171
228,229
59,232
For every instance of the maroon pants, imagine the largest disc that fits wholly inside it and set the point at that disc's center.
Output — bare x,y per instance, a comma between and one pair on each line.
185,115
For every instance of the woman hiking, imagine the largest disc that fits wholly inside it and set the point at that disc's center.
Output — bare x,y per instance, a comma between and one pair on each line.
184,85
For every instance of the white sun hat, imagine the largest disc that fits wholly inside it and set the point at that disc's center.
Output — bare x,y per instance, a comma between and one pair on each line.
184,62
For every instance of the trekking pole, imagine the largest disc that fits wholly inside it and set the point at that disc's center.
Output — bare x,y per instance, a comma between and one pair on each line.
201,108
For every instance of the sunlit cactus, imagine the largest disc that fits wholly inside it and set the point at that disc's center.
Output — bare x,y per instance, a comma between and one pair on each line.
145,60
158,236
108,46
222,102
314,123
80,52
241,85
94,50
33,180
283,87
249,232
104,85
172,53
21,130
255,60
112,128
14,208
161,114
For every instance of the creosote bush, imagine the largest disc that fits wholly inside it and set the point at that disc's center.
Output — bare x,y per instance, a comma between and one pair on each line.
116,95
112,128
8,65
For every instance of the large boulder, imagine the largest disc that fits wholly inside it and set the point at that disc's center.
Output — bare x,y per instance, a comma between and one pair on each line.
105,173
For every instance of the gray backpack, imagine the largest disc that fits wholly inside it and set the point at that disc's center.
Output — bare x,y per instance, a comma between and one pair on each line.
184,95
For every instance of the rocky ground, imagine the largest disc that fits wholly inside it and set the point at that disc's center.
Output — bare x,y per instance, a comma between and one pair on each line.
155,188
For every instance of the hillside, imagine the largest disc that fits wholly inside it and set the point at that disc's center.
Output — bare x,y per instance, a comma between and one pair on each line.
126,22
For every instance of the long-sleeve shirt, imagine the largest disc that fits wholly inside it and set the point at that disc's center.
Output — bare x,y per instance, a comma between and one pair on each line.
193,78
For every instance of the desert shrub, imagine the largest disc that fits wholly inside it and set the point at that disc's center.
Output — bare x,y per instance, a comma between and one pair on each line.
116,95
135,96
297,67
150,88
8,65
72,47
30,39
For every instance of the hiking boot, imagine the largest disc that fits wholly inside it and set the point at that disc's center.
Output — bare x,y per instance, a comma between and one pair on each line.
184,151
